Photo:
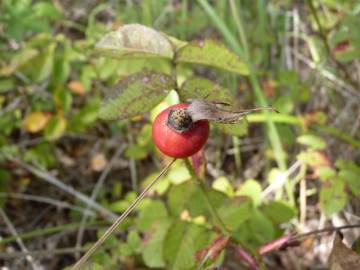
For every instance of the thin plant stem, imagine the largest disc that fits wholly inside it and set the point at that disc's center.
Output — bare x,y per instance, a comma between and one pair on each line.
240,28
20,242
211,207
95,191
325,230
79,264
50,230
44,175
273,134
41,199
15,255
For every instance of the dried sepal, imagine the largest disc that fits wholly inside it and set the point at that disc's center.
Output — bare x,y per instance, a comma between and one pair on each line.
200,109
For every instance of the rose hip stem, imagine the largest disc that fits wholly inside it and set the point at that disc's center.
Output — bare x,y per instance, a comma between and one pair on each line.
117,222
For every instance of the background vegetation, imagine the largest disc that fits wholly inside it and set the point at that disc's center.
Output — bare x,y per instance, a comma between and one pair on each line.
65,174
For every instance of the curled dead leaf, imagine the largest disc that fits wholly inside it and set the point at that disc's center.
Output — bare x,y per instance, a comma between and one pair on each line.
342,257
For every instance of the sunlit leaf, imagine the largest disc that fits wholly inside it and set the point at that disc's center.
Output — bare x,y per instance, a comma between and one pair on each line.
252,189
261,227
134,41
36,121
136,94
153,248
235,213
352,179
6,85
211,53
279,211
222,184
333,196
238,129
181,243
313,141
154,211
55,128
201,88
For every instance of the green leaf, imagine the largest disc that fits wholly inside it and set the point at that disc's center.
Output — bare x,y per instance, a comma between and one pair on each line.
178,173
63,99
252,189
351,178
179,196
134,241
279,211
333,196
41,67
55,128
161,187
313,141
121,205
181,243
154,211
136,151
197,87
197,204
41,154
235,213
136,94
222,184
325,173
134,41
238,129
6,84
175,42
211,53
261,227
153,248
44,9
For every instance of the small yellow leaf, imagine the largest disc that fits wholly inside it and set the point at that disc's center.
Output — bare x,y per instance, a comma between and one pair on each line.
2,100
36,121
76,87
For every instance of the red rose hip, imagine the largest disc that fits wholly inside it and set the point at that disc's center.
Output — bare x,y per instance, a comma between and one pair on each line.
176,135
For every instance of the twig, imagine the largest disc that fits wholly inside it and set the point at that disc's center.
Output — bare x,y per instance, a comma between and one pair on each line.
350,92
296,30
303,195
112,228
133,172
40,253
325,230
70,190
21,244
282,179
204,260
98,185
41,199
51,230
